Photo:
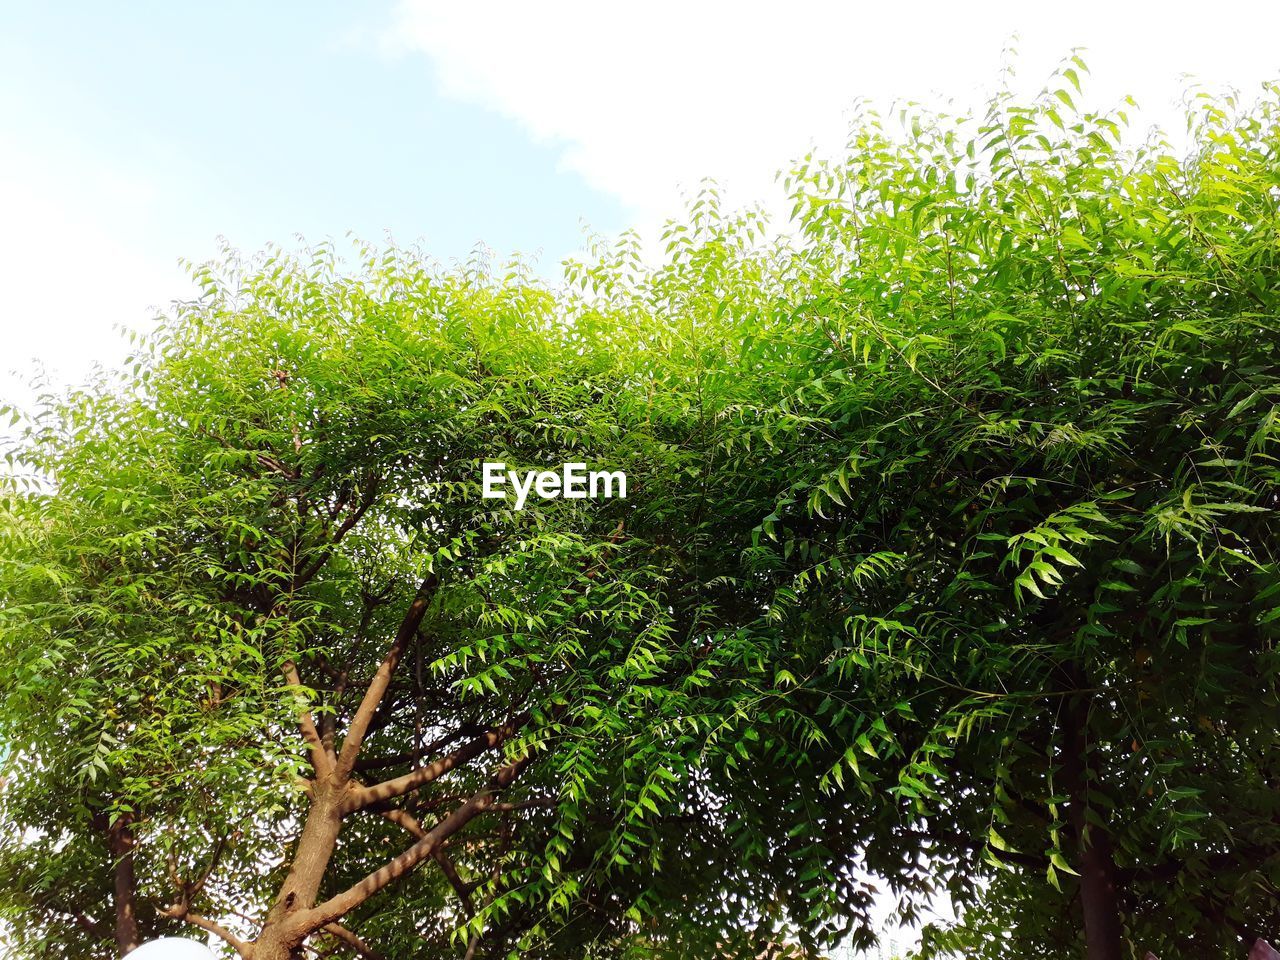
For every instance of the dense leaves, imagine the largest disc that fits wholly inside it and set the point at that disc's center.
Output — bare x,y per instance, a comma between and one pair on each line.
946,569
1031,437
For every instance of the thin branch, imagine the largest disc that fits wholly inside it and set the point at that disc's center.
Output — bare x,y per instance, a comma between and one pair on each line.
352,940
321,762
276,466
398,786
218,849
304,576
85,922
460,886
408,821
179,911
363,765
544,802
329,722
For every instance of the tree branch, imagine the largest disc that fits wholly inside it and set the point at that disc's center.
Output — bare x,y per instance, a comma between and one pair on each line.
218,849
179,911
544,802
365,764
460,887
377,688
342,903
321,762
352,941
398,786
408,821
85,922
303,577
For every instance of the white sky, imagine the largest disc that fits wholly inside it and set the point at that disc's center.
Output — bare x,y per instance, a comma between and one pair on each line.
650,96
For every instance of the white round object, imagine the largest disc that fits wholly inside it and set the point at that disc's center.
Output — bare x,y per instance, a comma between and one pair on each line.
172,948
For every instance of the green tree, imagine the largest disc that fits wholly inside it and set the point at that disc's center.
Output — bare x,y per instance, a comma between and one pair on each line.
946,568
264,631
1027,407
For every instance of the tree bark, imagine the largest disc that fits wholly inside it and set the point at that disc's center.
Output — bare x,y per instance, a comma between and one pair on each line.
121,842
1099,892
334,793
278,939
1099,896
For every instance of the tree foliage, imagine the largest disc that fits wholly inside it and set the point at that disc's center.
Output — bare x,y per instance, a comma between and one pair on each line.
946,568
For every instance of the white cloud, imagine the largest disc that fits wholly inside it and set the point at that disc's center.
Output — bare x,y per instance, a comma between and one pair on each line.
68,272
649,98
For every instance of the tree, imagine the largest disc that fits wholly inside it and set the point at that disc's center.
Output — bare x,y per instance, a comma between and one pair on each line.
945,567
1027,408
263,627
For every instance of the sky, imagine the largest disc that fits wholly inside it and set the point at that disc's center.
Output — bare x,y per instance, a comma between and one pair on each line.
135,135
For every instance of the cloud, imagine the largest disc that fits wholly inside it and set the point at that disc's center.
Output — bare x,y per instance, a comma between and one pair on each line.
648,99
69,275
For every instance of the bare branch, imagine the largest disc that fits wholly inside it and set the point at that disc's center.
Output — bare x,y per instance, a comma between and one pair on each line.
179,911
406,820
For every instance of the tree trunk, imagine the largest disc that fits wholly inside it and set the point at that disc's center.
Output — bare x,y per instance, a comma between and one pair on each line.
120,841
279,940
1099,896
274,948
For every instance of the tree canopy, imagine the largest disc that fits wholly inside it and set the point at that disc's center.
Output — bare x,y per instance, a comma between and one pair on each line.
945,569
